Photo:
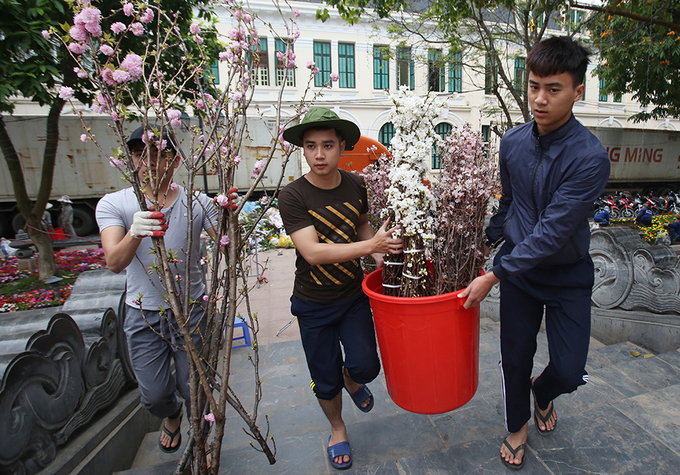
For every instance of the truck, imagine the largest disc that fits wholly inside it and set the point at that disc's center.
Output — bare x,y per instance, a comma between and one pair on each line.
642,160
84,174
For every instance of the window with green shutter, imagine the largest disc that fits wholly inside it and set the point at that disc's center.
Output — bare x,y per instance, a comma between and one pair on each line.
405,68
281,70
436,72
456,73
259,65
520,74
381,67
386,133
322,58
346,65
443,129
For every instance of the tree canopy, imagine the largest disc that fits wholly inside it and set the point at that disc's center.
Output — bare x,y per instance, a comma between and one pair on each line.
640,56
36,63
488,35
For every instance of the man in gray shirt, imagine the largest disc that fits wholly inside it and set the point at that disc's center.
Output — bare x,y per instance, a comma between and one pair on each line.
154,338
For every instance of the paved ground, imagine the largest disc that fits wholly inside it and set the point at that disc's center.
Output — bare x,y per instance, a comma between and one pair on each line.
624,421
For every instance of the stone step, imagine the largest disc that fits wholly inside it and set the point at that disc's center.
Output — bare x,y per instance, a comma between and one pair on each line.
622,391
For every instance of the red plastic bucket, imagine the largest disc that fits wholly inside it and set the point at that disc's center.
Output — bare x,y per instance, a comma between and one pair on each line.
429,348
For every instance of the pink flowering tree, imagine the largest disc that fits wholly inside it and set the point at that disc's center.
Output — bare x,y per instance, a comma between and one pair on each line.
134,83
35,63
468,179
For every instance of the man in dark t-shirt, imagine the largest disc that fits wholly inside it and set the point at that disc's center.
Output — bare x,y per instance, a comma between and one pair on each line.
325,214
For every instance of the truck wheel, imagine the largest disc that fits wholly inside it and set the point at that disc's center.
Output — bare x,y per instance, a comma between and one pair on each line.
83,222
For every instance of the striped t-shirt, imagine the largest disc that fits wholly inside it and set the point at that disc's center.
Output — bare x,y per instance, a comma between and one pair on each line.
335,216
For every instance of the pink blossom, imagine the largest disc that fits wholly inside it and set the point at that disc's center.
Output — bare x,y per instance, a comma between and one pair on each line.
237,159
120,76
89,17
97,109
311,64
77,48
45,34
238,14
194,29
224,241
147,17
148,137
296,13
78,33
209,417
106,49
295,35
114,162
118,27
128,9
137,29
133,64
224,56
198,39
291,64
174,116
164,144
81,73
334,77
65,93
247,18
83,137
258,167
315,71
107,76
114,116
200,105
174,186
237,96
222,200
237,34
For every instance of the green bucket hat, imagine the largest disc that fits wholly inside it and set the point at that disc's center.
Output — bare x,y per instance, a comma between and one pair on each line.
320,117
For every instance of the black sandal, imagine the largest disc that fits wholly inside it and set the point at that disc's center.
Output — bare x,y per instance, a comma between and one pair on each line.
537,415
172,435
514,466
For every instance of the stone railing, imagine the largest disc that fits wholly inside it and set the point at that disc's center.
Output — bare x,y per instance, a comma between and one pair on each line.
58,369
636,296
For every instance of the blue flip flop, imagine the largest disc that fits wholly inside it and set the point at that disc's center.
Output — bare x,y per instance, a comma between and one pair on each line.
360,395
338,450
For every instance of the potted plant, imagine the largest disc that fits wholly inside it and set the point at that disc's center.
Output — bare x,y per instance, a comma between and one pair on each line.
428,342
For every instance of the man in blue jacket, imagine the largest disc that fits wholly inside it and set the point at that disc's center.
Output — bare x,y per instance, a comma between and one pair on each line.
644,217
602,216
552,171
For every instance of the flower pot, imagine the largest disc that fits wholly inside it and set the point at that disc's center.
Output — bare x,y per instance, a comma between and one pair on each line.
429,348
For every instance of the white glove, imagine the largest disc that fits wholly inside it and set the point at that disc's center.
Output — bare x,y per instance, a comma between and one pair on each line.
148,223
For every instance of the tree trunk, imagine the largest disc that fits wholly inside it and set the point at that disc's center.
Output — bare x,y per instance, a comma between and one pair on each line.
31,212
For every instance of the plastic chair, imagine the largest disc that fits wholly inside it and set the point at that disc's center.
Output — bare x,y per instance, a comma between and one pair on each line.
240,323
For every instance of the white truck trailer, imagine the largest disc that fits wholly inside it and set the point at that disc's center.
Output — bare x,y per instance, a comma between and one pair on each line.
84,174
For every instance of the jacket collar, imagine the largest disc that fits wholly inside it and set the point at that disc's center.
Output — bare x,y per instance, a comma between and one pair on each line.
557,134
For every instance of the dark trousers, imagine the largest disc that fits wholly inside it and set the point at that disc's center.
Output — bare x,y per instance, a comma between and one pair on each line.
323,327
564,293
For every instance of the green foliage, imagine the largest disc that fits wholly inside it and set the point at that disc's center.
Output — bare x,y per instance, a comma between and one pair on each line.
34,66
641,58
